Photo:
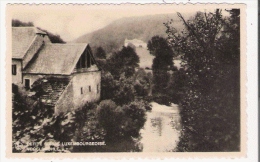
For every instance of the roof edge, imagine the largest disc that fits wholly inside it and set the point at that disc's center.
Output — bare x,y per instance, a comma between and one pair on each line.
77,58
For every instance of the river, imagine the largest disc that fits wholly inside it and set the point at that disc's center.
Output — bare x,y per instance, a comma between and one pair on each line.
160,133
162,129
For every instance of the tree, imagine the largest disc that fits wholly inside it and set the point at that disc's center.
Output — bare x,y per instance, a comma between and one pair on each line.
210,49
109,116
134,118
176,86
162,62
123,61
109,86
159,47
121,121
125,92
54,38
120,91
18,23
100,53
142,83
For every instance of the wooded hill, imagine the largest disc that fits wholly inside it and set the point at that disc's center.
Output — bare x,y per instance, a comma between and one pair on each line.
112,37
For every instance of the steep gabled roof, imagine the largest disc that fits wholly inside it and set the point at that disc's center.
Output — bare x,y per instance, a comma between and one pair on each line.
22,38
56,59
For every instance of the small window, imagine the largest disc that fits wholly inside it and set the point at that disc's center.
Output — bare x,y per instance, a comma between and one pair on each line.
89,88
27,83
81,90
14,69
97,88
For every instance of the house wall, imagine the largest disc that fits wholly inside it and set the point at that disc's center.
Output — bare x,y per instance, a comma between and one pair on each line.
72,98
17,79
65,102
32,77
83,81
136,42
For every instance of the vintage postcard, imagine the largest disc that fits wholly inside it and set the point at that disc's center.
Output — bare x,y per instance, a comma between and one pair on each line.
156,80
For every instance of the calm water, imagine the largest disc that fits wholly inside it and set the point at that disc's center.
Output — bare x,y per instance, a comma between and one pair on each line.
162,129
160,133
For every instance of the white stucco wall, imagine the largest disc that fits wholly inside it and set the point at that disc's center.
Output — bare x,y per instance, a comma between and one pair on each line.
17,79
72,98
84,80
32,77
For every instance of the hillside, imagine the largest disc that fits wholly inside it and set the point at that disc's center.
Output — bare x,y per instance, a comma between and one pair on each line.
112,36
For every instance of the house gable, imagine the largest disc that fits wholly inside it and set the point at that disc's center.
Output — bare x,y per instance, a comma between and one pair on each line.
68,73
86,62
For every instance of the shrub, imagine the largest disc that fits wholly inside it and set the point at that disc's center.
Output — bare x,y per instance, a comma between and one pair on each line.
122,121
109,117
134,118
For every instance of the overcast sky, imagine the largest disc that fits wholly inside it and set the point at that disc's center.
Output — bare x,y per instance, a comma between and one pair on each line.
70,22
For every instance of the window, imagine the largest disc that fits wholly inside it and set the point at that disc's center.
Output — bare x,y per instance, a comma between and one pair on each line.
27,83
14,69
81,90
89,88
97,88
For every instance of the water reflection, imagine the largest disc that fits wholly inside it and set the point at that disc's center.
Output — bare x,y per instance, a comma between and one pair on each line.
160,134
162,129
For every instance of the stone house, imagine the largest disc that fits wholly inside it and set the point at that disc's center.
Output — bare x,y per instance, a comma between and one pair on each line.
68,73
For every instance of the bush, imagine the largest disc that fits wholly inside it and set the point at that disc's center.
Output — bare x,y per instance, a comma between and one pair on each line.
109,117
121,121
134,118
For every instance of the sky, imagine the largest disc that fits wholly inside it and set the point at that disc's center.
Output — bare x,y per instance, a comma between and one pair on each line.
72,21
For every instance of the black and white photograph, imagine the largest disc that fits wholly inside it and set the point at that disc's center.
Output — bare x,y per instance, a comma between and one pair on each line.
127,78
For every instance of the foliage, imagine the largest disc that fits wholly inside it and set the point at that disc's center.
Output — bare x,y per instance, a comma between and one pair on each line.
123,61
110,117
100,53
101,63
109,86
125,92
176,86
162,63
37,123
163,53
54,38
209,47
134,118
143,83
121,121
18,23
